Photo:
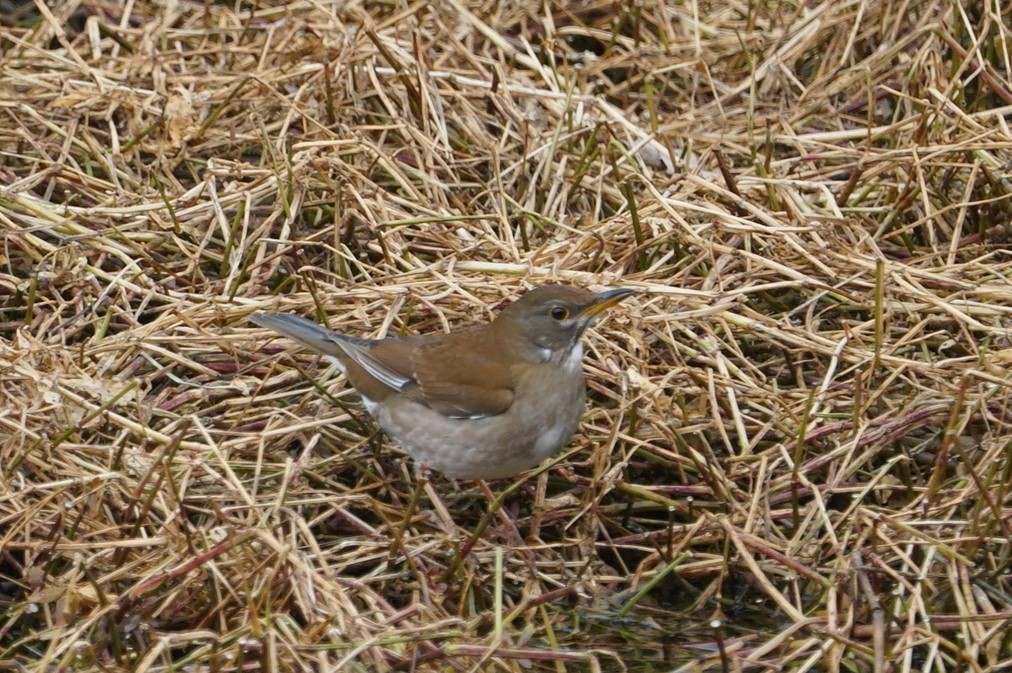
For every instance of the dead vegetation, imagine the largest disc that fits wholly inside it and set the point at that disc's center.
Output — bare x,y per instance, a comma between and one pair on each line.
796,455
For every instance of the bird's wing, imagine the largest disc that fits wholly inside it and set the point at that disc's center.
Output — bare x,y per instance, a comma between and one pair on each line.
387,360
459,383
437,371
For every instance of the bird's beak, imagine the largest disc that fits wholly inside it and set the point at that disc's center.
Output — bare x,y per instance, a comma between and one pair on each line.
604,301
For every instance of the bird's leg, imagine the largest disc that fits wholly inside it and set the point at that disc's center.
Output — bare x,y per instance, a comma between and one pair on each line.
424,483
496,505
446,521
495,508
398,533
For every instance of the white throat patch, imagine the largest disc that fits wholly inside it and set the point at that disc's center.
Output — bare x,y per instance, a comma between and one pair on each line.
573,362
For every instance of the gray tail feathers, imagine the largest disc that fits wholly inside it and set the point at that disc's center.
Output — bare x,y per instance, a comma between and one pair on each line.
303,330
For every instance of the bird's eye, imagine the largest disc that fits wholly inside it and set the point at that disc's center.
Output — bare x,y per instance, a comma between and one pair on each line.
559,312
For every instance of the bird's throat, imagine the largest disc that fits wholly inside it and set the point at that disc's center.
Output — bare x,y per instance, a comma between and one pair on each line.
572,362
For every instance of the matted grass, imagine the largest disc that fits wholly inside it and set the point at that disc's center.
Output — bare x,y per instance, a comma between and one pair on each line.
796,454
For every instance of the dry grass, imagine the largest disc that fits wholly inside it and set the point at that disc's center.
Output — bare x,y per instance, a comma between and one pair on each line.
797,452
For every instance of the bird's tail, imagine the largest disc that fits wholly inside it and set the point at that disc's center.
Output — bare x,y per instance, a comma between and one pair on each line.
305,331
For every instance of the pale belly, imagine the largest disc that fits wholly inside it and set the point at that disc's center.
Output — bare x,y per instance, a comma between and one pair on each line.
536,426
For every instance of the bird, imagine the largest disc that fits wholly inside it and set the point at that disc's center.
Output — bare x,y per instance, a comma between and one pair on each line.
484,402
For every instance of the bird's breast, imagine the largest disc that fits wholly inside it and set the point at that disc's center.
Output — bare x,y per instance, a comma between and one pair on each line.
549,404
